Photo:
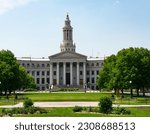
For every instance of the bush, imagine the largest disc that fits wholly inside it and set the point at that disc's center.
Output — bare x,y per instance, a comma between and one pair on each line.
105,105
121,111
77,109
27,103
69,89
29,110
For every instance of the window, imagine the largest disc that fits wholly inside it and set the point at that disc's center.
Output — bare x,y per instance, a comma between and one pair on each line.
87,80
47,80
32,65
43,73
81,64
28,72
80,72
54,64
47,73
37,73
97,72
28,65
97,64
43,81
43,65
93,80
23,64
47,65
38,65
87,64
38,80
87,72
33,73
92,72
67,65
54,72
92,64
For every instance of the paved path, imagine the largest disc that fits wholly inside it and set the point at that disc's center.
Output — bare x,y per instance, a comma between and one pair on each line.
68,104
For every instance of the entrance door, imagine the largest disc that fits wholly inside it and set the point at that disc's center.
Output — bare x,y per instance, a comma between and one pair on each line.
67,78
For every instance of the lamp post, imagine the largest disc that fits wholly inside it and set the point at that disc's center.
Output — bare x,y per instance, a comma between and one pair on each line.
131,88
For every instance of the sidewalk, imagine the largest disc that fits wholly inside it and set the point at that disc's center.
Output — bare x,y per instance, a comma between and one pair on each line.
69,104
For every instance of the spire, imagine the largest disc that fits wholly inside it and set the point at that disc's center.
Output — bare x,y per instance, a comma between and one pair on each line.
67,44
67,17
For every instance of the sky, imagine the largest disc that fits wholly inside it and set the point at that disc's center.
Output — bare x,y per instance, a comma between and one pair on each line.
33,28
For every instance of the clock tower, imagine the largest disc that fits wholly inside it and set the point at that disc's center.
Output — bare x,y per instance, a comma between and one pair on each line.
67,44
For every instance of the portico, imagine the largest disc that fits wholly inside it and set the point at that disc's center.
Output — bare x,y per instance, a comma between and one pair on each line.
67,73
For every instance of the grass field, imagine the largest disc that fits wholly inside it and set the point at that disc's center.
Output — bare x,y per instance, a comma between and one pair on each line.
44,97
67,112
66,96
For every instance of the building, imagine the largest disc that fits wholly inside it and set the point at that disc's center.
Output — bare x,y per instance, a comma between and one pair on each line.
66,68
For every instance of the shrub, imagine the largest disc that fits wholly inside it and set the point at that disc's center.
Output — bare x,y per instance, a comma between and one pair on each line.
121,111
105,105
77,109
92,109
69,89
27,103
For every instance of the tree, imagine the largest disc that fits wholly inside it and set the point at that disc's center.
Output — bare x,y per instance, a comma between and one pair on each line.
9,71
105,74
26,80
129,69
12,75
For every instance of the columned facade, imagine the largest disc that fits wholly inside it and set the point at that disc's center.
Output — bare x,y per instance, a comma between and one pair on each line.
68,73
66,68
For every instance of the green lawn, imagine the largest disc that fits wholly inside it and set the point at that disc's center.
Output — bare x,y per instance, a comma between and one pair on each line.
66,96
67,112
73,97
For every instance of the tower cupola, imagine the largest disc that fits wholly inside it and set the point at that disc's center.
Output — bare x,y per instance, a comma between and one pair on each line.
67,44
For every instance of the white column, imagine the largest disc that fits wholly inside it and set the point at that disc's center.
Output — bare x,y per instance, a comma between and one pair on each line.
78,73
57,73
51,73
84,74
45,79
64,73
71,74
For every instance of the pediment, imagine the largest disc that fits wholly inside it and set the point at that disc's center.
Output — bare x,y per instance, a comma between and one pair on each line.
67,55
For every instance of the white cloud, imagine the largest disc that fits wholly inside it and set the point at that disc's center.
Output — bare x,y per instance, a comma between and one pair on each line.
7,5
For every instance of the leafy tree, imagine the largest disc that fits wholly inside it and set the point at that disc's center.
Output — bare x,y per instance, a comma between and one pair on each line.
12,75
129,69
9,71
26,80
105,74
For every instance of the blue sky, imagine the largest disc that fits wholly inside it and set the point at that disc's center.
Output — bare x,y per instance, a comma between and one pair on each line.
101,27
